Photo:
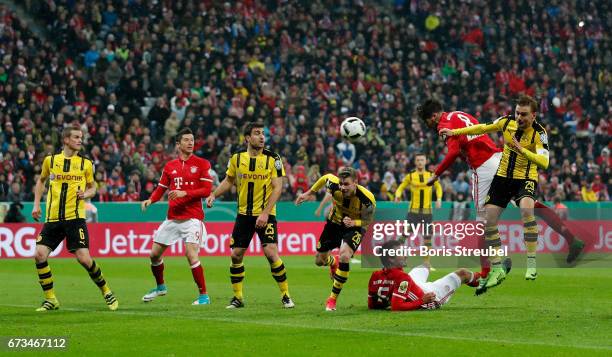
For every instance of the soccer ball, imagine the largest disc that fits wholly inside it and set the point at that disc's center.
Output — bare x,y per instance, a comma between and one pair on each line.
352,128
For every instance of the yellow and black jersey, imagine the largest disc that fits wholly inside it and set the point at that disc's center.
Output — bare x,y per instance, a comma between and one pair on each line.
420,193
254,179
517,165
66,175
360,207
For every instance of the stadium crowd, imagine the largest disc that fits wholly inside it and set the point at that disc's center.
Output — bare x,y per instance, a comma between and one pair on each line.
132,72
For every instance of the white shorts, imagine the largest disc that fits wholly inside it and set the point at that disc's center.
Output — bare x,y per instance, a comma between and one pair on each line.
190,231
482,178
444,288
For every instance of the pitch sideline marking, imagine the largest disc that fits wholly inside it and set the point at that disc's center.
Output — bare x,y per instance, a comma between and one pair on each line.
342,329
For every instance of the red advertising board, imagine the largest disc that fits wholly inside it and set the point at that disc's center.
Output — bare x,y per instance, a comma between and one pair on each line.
295,238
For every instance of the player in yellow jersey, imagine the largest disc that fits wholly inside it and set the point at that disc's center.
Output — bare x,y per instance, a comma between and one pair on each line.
420,196
70,183
352,212
525,150
257,174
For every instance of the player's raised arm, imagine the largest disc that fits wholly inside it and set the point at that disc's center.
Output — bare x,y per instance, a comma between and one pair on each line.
39,188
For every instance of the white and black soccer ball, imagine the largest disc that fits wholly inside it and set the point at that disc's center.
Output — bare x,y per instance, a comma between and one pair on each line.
352,128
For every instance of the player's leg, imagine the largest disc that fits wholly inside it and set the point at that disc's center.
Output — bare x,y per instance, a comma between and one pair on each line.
482,178
268,236
44,247
419,274
95,273
554,221
497,273
530,235
279,273
244,228
192,253
165,235
445,287
351,238
237,277
329,240
193,232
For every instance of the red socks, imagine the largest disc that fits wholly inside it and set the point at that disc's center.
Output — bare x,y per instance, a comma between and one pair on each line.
550,217
198,277
158,272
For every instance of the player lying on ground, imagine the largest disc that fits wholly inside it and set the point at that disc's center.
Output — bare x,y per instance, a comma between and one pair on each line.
352,212
484,158
70,183
392,288
188,180
257,174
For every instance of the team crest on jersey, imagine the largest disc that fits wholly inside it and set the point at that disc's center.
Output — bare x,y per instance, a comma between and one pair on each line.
52,177
403,287
544,138
194,169
173,171
278,164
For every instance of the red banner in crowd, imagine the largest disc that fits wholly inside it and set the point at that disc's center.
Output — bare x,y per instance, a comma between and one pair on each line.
295,238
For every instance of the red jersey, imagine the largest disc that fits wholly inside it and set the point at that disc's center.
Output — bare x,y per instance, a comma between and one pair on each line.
191,176
394,288
474,149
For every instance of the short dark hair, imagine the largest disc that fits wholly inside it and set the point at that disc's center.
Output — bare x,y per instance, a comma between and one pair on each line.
184,131
385,259
420,154
346,172
525,100
248,128
428,108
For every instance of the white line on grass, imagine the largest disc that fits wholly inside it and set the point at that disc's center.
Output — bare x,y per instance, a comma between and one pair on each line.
341,329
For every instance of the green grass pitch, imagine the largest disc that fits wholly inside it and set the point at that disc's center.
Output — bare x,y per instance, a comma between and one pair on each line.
565,312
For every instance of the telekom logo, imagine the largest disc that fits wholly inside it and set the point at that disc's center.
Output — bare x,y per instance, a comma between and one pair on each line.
178,182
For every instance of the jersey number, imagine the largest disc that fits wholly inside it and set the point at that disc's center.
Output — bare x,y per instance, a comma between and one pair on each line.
468,123
81,234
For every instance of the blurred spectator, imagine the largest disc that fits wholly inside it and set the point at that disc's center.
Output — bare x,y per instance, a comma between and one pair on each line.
560,208
300,68
14,214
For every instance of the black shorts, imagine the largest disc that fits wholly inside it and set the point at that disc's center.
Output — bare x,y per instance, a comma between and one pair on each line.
415,218
504,189
334,234
74,231
244,228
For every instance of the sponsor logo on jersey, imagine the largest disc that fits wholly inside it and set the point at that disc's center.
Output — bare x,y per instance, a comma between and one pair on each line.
62,177
249,176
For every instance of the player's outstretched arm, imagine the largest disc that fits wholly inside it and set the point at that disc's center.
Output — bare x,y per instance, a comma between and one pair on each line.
321,182
223,187
472,130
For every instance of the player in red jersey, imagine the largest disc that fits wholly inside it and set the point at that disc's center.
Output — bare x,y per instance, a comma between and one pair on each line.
392,288
483,157
189,181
